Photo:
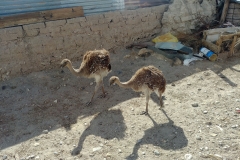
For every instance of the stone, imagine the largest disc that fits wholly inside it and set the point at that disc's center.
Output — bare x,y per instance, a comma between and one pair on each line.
205,112
119,151
91,83
36,144
156,152
187,156
97,149
144,52
55,101
4,157
195,104
45,131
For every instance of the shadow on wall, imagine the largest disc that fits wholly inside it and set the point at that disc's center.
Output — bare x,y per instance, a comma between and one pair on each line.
167,136
108,124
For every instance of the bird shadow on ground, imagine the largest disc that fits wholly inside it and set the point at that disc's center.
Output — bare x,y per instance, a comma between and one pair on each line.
108,124
167,136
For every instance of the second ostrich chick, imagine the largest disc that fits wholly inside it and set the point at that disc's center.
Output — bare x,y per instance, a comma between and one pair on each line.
95,64
147,80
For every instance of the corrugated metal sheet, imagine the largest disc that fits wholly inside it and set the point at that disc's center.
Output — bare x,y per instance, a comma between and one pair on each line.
11,7
133,4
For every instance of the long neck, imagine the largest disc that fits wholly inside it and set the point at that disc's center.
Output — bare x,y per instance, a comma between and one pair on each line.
123,84
74,71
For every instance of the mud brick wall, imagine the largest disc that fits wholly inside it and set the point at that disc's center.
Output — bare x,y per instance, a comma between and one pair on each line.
233,14
35,47
188,15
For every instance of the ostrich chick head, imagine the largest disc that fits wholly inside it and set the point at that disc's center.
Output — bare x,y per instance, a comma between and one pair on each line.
113,79
64,63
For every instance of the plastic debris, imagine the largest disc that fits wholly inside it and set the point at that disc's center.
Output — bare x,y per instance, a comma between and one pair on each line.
168,37
187,62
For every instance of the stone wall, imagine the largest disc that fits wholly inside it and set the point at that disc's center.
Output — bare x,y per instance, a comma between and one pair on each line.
233,14
35,47
187,15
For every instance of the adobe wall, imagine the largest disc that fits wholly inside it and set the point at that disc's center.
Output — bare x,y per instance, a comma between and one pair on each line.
35,47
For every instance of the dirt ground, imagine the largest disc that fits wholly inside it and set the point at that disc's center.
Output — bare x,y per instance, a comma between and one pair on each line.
43,114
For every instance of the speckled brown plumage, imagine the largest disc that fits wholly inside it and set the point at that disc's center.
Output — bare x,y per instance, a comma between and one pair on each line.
95,64
147,80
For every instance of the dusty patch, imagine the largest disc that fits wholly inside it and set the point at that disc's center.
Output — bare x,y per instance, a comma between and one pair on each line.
43,115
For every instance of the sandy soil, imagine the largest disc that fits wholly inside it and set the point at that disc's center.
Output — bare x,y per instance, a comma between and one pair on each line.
43,114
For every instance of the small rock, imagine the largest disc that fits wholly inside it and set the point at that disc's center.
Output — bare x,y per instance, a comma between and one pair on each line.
108,155
36,144
144,52
31,157
45,131
217,102
173,84
156,152
143,153
213,134
198,138
205,112
4,157
37,139
218,156
119,151
226,147
237,100
195,104
91,83
208,123
37,157
127,56
206,148
139,141
55,101
97,149
235,126
56,153
188,156
176,62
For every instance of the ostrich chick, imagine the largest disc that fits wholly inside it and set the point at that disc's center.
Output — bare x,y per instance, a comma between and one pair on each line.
95,64
146,79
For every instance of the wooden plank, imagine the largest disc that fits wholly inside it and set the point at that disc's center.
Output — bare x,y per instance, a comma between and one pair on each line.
41,16
224,12
232,45
211,46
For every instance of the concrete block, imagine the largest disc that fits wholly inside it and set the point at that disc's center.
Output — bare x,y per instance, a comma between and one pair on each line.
152,17
100,27
56,23
117,25
84,24
144,11
33,26
94,17
135,20
160,9
32,32
110,15
70,27
77,20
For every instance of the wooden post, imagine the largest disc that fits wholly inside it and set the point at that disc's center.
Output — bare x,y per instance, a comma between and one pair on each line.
224,12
